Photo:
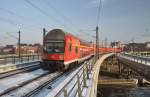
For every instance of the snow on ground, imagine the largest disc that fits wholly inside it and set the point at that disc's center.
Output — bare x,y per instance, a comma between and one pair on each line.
18,78
58,84
31,86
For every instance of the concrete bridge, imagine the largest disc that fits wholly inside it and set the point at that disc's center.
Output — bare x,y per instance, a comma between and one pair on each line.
81,83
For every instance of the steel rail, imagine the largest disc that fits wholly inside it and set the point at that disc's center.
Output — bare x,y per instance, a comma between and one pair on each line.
31,67
22,84
81,70
48,83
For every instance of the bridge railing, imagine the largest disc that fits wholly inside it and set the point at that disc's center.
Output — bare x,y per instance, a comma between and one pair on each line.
6,59
142,53
75,84
138,59
82,82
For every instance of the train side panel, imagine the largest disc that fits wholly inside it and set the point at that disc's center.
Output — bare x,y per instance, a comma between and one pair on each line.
72,53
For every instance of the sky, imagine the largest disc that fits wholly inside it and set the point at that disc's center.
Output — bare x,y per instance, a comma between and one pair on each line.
120,20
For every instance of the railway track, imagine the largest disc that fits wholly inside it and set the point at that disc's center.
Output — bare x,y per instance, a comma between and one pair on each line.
34,86
48,84
9,83
20,85
28,87
22,69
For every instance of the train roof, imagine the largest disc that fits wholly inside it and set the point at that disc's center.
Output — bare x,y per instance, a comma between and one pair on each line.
59,34
55,34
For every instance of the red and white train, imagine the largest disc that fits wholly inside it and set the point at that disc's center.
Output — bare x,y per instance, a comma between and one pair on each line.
63,50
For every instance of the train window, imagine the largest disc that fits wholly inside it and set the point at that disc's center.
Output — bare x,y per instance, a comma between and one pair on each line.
55,47
76,49
70,47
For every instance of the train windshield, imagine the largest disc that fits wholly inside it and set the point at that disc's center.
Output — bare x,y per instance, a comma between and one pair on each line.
55,47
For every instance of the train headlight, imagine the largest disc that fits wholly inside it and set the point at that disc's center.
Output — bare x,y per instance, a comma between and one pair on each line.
61,57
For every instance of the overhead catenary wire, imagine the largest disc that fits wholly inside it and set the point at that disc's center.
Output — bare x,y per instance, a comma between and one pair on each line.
43,12
98,16
5,39
86,36
15,23
7,20
10,12
12,22
64,17
49,15
86,33
99,12
20,17
8,33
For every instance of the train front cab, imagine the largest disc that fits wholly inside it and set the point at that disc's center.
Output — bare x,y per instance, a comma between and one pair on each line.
53,51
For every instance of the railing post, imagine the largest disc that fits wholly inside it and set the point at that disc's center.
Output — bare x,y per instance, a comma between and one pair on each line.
79,86
65,93
87,71
89,66
84,77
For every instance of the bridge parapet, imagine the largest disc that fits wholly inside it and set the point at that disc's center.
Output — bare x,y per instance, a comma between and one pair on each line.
15,59
135,58
140,65
142,53
82,82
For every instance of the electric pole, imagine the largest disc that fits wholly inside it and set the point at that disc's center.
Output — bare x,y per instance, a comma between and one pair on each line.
105,43
97,43
19,46
44,33
97,33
